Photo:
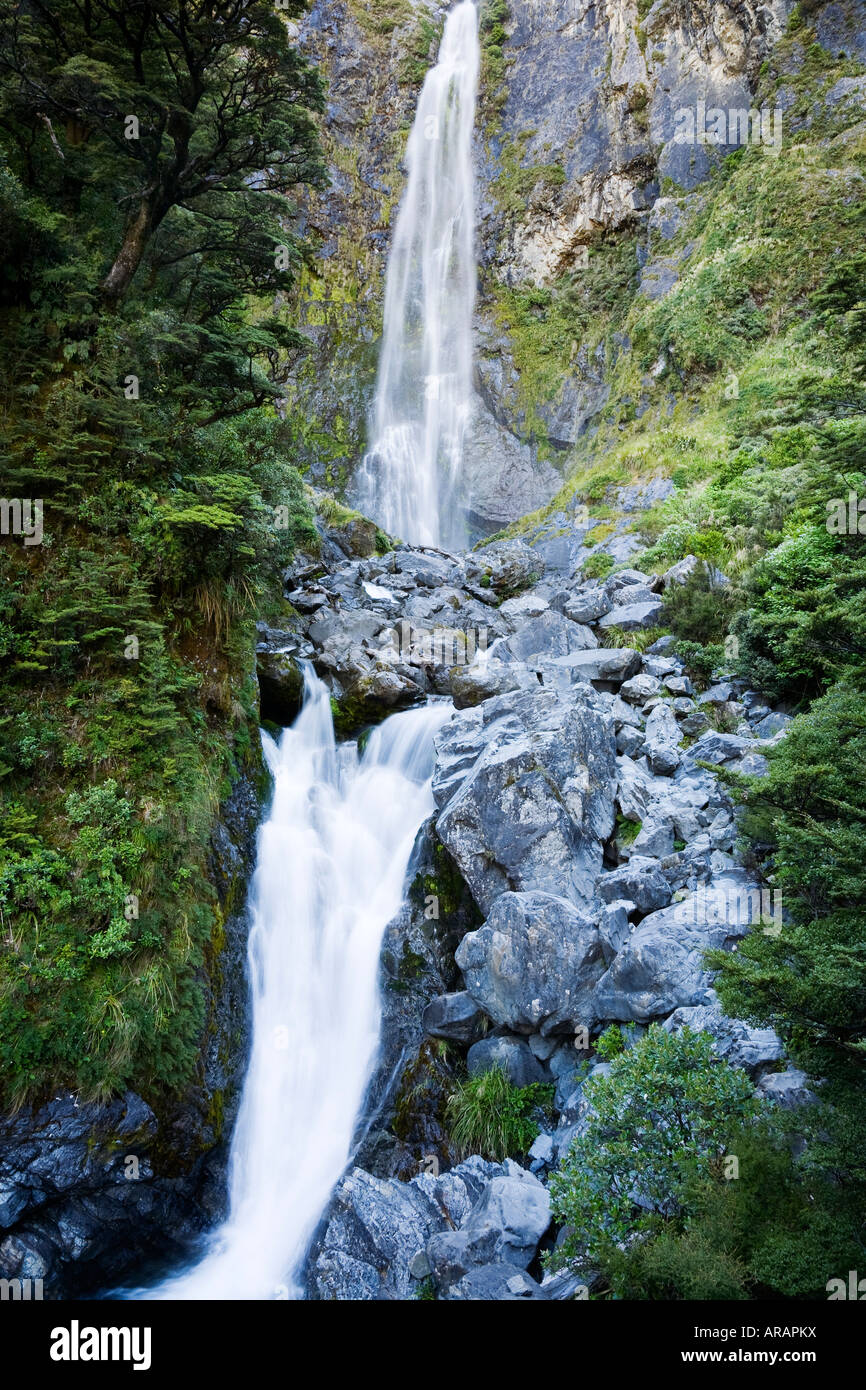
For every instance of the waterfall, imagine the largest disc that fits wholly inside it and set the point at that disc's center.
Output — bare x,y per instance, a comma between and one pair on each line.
330,875
410,479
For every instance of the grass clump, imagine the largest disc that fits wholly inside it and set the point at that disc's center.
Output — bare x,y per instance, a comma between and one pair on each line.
490,1116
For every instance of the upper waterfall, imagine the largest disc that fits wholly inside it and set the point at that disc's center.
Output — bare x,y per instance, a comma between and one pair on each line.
410,479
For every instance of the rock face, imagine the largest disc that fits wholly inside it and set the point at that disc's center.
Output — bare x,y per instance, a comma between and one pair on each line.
573,146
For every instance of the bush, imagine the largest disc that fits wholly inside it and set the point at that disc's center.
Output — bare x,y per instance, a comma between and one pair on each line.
660,1119
701,609
488,1115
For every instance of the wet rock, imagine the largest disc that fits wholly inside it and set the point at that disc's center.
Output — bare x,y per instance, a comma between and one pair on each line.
455,1017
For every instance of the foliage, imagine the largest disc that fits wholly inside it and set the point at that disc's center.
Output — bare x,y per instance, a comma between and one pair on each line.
660,1119
140,358
807,818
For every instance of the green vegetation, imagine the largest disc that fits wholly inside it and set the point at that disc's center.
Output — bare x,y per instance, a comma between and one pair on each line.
140,359
493,17
659,1120
488,1115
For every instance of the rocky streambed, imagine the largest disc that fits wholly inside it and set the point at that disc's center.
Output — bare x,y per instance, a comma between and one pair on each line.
580,862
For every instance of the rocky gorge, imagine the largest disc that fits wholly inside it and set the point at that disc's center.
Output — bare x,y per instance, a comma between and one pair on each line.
643,671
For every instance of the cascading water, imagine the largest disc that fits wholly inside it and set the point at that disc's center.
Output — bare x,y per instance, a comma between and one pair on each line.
332,861
409,481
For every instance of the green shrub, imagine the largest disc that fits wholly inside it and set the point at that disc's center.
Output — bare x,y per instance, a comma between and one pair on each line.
598,566
658,1120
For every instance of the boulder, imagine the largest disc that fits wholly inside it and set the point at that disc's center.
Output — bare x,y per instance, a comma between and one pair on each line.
663,734
787,1089
681,571
504,1227
375,1229
608,664
549,635
639,689
525,784
484,679
456,1017
640,881
661,967
511,1055
496,1283
633,617
506,567
587,606
753,1049
533,965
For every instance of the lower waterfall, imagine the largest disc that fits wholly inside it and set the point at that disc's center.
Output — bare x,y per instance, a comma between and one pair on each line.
332,861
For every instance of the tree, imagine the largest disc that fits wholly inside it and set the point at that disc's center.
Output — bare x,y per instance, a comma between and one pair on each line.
167,103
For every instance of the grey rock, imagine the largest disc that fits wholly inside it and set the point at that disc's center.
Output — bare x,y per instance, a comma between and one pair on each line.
736,1041
525,787
511,1055
505,1227
533,965
787,1089
456,1017
633,617
661,967
507,566
662,737
496,1283
587,606
640,688
640,882
614,927
550,635
772,724
485,679
681,571
609,664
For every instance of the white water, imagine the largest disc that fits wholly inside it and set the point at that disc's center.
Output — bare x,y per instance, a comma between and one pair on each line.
410,480
330,875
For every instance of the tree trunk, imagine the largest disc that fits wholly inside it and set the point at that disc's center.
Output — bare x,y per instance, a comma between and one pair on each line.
128,259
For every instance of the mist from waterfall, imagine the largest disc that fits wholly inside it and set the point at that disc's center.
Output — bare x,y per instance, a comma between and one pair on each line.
410,479
330,875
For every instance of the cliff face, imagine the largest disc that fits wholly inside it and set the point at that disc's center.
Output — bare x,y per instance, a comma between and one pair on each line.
583,139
